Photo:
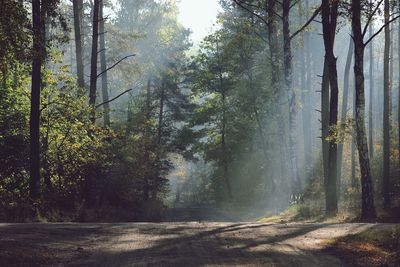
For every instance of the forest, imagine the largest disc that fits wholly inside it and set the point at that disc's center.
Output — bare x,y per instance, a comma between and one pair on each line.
109,112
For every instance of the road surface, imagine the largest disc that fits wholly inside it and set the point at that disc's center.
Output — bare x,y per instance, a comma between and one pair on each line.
171,244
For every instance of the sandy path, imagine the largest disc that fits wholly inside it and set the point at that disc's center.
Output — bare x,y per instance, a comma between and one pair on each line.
170,244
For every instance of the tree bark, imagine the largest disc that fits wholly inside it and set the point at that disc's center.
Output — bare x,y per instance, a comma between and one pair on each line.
325,122
288,73
386,113
329,22
275,83
161,114
367,195
371,93
353,144
93,64
146,186
398,81
78,10
305,97
38,47
103,63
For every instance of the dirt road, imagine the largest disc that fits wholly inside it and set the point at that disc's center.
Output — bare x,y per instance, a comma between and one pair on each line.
170,244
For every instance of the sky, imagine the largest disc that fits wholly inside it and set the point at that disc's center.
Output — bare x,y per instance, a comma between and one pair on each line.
199,16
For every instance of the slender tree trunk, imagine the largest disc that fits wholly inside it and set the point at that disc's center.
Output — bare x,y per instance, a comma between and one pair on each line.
329,21
275,84
161,114
325,121
146,186
386,113
78,10
398,80
103,63
367,201
259,125
305,96
346,84
353,144
371,93
224,148
288,73
93,65
308,105
34,156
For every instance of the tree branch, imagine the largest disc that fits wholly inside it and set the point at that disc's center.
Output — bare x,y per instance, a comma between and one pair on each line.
250,11
381,29
112,99
370,18
119,61
316,12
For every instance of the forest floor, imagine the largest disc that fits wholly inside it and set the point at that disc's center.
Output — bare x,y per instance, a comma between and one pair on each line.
181,244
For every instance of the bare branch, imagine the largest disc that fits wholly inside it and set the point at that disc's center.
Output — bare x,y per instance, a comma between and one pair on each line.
370,18
250,11
119,61
112,99
381,29
316,12
295,3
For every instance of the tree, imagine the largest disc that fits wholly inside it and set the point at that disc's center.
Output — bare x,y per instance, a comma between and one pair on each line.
386,113
78,17
288,73
367,195
103,64
371,93
93,61
38,47
329,22
398,78
346,85
305,96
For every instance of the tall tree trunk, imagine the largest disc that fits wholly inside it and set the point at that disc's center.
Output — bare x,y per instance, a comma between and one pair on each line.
371,93
103,63
346,84
224,151
386,113
367,195
34,156
78,17
161,114
259,125
353,144
305,95
287,61
224,148
93,64
275,83
325,121
146,186
308,105
329,22
398,80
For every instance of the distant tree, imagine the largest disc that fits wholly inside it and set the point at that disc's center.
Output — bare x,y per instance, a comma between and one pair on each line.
371,93
386,111
78,23
103,64
343,117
